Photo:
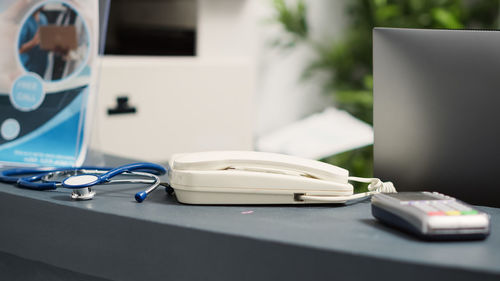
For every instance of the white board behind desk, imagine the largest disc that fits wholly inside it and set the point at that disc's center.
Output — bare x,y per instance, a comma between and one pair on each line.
183,104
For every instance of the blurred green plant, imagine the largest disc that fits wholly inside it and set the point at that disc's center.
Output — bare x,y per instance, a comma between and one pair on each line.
347,62
293,21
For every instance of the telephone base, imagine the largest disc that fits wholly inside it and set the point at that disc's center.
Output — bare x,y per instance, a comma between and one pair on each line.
232,197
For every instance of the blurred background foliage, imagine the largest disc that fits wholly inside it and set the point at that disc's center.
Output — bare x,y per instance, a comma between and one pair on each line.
346,62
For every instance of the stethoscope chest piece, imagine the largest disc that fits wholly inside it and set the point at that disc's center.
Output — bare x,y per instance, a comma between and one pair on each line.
80,194
78,181
81,186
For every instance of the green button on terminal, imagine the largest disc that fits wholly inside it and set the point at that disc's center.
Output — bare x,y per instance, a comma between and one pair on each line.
469,212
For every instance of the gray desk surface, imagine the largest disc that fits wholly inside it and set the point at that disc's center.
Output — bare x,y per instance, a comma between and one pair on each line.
114,238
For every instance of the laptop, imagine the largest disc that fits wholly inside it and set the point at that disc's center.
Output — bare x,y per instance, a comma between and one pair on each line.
437,111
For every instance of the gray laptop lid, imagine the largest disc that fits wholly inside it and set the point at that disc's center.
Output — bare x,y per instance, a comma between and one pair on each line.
437,111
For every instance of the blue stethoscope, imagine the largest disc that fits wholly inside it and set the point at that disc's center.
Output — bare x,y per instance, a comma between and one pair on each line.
80,180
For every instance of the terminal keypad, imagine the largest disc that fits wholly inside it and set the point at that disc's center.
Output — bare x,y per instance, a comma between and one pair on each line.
448,207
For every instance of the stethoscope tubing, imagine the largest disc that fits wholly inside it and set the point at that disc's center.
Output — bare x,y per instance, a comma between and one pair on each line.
13,175
34,184
150,168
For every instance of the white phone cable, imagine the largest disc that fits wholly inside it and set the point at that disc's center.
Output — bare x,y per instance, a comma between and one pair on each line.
375,186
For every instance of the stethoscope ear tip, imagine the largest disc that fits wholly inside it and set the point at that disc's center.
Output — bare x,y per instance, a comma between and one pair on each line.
140,196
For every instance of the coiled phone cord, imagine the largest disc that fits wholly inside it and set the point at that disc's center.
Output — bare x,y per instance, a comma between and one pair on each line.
375,186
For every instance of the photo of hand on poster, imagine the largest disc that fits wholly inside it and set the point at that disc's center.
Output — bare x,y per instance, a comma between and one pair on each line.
53,41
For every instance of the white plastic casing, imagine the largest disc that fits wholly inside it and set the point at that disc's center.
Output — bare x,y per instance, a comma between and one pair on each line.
246,177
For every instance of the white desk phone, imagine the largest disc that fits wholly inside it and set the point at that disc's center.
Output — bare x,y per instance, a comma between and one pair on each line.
249,177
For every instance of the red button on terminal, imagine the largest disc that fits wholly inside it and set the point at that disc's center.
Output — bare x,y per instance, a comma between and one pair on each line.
438,213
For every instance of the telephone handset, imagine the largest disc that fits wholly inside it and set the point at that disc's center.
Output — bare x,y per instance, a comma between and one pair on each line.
249,177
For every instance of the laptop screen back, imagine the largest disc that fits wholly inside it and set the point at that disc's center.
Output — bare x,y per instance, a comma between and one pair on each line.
437,111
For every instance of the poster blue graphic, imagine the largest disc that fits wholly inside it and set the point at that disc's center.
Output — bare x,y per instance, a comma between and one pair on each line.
46,93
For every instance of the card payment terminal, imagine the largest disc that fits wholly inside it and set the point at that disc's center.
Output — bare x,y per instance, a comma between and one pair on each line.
430,215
